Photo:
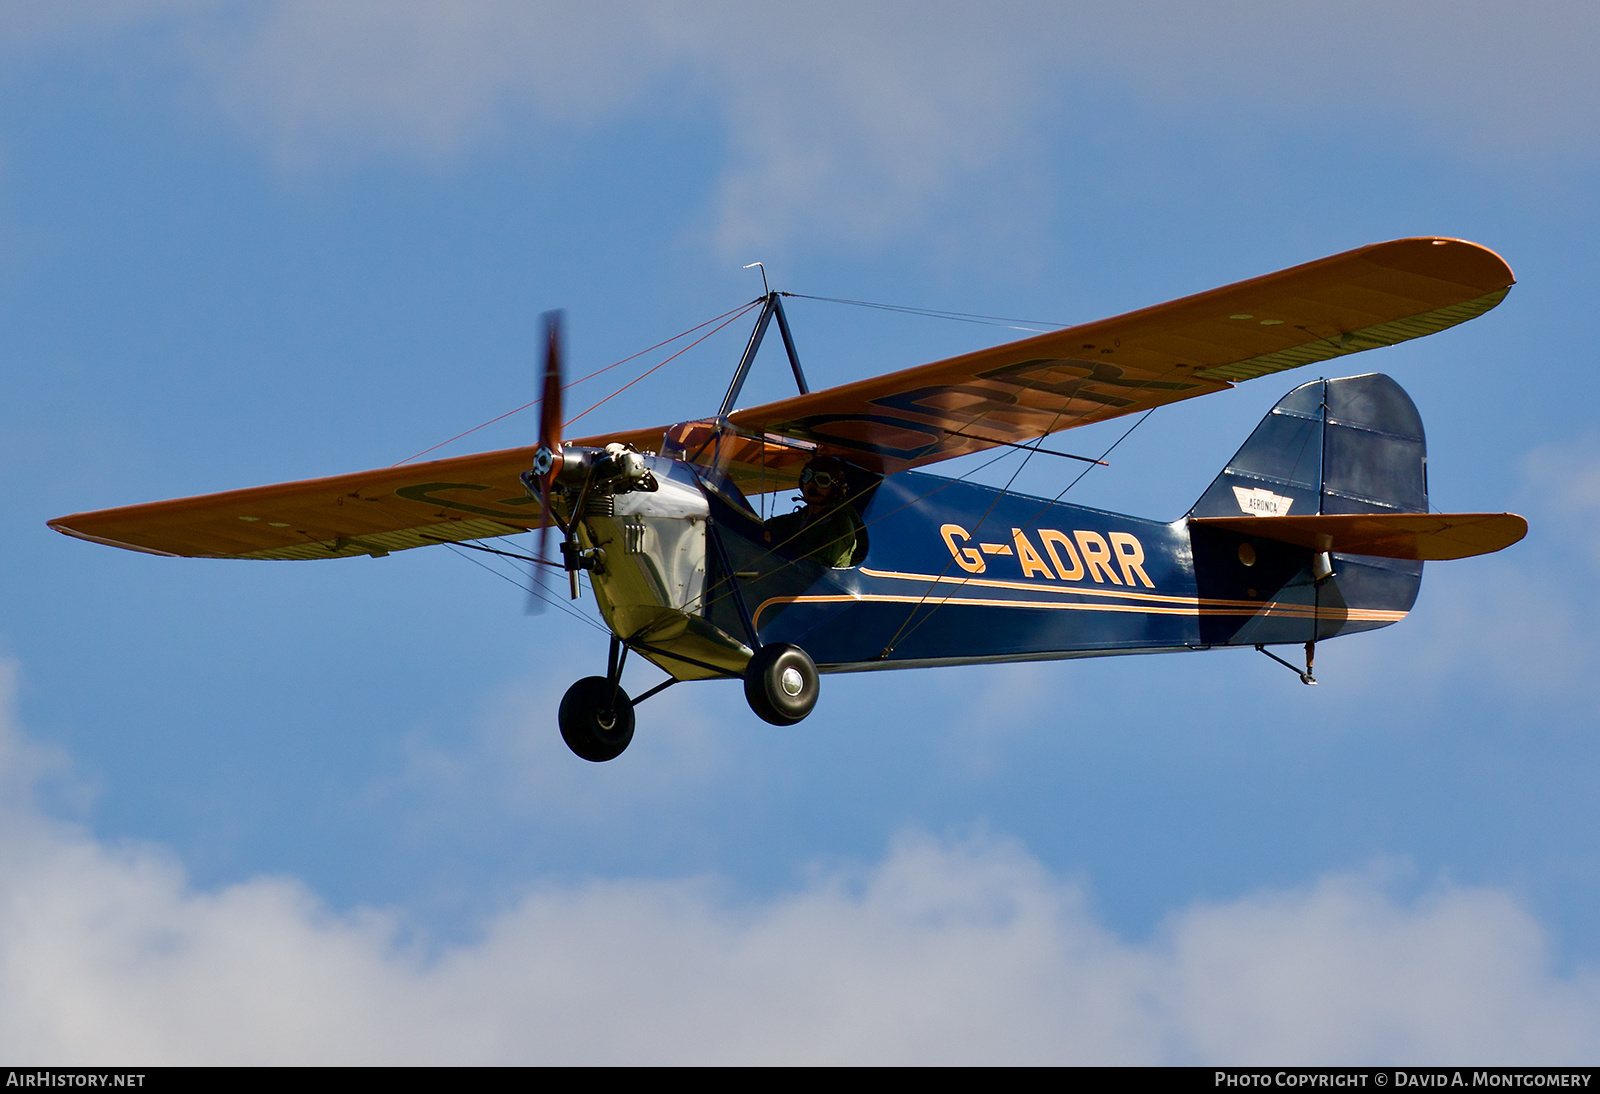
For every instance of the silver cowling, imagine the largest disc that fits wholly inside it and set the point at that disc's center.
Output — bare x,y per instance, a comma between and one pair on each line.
651,583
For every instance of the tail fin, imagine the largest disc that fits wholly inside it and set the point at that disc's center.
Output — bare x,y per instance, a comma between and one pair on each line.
1353,445
1345,446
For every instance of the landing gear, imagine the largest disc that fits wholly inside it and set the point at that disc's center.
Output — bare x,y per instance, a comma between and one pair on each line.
1306,677
596,719
596,716
781,684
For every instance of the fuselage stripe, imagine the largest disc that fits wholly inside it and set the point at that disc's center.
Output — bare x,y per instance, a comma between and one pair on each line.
1040,587
1246,608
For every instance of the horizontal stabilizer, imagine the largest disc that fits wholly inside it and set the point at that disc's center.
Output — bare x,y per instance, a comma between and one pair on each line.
1423,537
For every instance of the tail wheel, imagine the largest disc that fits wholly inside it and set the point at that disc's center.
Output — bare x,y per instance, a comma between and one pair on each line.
781,684
596,719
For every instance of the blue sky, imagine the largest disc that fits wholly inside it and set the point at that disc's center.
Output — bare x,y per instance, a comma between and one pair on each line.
320,812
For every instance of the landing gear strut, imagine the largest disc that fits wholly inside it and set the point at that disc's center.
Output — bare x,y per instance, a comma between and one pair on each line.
596,715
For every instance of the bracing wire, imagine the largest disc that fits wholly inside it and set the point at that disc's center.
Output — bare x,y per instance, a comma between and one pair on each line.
533,589
732,317
719,323
733,313
1040,326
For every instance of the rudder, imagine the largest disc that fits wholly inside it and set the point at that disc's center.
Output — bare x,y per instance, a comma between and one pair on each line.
1350,445
1341,446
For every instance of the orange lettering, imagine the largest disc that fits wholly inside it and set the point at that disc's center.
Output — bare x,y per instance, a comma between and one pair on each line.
968,559
1130,556
1053,539
1031,560
1097,556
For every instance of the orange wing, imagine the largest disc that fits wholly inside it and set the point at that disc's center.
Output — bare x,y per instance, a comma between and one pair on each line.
1373,296
368,513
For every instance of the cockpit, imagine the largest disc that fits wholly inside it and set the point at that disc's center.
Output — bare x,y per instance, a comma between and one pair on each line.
754,476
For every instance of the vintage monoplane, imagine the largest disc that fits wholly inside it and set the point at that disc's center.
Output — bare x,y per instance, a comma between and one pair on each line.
1318,527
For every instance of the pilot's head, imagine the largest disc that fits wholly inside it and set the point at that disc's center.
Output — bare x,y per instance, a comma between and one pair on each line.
822,481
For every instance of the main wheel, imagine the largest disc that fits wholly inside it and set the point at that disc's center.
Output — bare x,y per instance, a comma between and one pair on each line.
596,719
781,684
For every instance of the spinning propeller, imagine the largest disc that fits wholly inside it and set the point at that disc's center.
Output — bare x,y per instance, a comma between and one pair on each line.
547,457
584,473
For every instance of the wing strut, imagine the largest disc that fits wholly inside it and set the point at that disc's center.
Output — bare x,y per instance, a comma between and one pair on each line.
773,306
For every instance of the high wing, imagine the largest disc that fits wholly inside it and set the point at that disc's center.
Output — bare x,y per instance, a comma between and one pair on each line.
1361,299
1373,296
367,513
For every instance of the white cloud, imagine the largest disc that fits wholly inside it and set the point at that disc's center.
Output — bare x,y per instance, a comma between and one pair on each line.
1342,973
353,78
855,121
840,117
943,952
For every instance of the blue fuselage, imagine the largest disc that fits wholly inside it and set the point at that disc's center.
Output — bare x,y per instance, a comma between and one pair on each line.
955,573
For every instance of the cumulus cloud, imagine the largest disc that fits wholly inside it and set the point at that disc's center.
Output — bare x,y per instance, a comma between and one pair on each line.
963,951
317,79
842,116
856,120
1342,973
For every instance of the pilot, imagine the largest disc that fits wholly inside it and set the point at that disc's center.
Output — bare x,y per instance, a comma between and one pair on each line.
826,528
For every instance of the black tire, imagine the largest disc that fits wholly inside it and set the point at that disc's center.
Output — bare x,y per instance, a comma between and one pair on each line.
781,684
596,719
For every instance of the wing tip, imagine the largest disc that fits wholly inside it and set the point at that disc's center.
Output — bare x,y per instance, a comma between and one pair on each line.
60,524
1454,258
